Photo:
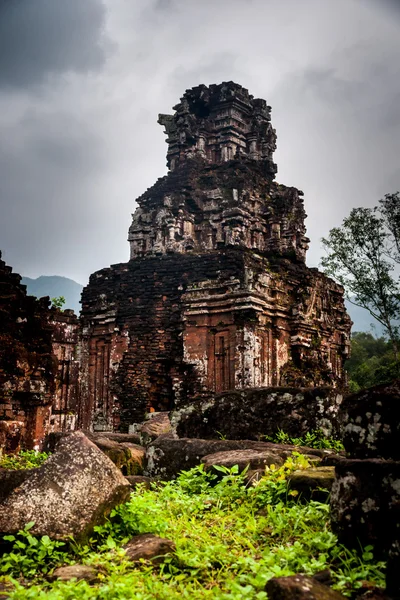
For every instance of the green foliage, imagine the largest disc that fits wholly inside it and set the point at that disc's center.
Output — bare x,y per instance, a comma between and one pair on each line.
371,362
231,537
58,302
312,439
30,554
24,459
363,255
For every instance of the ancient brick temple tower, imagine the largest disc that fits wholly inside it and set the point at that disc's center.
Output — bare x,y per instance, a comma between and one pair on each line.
216,295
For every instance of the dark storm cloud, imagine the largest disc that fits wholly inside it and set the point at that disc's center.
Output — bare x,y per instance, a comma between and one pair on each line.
41,37
47,172
76,150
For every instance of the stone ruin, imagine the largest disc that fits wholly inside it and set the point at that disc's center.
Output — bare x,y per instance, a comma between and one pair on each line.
217,295
38,366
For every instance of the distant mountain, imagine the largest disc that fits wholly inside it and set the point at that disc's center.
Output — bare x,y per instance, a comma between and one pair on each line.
55,286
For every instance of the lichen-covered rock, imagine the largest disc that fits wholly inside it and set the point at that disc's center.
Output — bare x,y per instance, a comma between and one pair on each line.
148,547
299,587
372,422
253,413
167,456
73,491
312,483
253,459
78,572
363,499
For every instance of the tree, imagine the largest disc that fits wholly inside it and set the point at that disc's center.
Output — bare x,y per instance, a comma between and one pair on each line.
371,361
363,255
58,302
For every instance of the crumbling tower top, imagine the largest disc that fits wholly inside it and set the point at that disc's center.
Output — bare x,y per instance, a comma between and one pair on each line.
220,190
219,123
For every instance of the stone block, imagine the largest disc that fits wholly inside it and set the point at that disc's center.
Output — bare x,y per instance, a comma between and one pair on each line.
253,413
312,484
74,490
364,497
299,587
166,457
372,422
148,547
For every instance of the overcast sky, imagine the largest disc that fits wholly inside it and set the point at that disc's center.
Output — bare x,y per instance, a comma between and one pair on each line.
82,83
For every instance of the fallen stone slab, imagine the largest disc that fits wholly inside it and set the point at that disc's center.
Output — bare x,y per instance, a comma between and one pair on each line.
168,456
148,547
130,438
311,483
299,587
250,414
126,456
78,572
372,422
156,425
73,491
11,479
364,499
252,459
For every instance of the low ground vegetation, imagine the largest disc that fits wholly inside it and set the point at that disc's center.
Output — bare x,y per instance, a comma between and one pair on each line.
24,459
312,439
231,537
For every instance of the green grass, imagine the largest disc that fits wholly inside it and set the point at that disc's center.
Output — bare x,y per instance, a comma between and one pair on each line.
230,539
24,459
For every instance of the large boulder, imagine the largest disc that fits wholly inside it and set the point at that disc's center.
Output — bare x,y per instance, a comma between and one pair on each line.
166,457
51,440
364,500
372,422
254,413
73,491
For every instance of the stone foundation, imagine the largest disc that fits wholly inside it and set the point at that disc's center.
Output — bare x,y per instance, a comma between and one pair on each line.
252,414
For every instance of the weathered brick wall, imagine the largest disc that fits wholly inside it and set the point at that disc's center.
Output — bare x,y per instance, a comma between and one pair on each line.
35,342
202,206
65,401
27,367
161,330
